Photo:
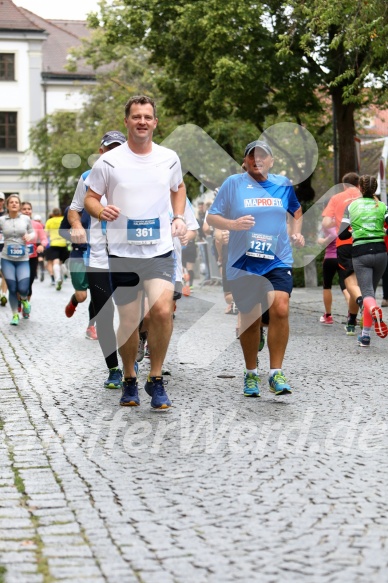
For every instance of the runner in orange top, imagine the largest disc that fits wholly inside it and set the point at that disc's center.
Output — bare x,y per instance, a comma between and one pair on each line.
333,214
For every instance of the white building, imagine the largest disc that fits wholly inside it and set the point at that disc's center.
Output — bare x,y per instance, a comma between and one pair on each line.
33,83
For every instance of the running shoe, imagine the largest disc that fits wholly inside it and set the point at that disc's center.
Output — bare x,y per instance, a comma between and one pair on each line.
326,319
262,339
278,384
384,304
19,306
140,350
70,309
130,394
3,301
26,308
59,285
146,351
15,320
115,378
381,328
350,330
251,385
154,387
91,333
363,341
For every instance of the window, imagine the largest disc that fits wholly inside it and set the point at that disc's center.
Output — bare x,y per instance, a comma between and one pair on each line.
7,67
8,131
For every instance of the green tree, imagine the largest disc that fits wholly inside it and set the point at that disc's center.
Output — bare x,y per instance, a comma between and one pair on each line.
216,67
344,47
221,63
61,150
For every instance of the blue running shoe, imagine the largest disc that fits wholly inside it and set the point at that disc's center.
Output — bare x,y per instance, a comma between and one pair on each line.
278,384
130,395
154,387
363,341
115,379
251,385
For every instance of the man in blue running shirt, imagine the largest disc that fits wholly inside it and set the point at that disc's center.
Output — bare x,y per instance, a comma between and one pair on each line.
256,208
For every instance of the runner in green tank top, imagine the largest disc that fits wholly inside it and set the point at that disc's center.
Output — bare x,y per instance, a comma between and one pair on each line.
368,217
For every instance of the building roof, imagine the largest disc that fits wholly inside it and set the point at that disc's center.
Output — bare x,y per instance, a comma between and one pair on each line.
13,18
63,35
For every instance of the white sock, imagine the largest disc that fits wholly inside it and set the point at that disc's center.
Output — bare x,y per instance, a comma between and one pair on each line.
254,371
57,271
274,370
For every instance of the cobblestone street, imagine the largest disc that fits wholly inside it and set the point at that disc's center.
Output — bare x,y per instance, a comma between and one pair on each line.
218,489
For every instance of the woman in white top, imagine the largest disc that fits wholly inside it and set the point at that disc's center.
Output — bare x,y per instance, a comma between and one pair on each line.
17,231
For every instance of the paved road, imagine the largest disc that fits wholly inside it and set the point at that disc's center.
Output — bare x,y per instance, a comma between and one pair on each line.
218,489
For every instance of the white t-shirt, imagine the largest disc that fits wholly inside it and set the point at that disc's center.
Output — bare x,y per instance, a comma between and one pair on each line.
140,186
97,253
192,225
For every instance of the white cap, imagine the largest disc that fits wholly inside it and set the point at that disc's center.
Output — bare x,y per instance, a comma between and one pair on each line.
37,218
2,195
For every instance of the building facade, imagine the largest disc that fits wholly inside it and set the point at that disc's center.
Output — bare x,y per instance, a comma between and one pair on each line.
33,83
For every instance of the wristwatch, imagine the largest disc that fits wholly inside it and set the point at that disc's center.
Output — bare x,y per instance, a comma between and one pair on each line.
179,217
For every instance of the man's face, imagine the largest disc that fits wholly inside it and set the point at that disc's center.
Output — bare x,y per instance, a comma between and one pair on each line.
27,210
258,163
141,122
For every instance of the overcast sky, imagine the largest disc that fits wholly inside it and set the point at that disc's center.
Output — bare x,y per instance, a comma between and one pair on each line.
61,10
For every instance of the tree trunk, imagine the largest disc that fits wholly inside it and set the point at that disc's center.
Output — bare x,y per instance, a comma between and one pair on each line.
346,132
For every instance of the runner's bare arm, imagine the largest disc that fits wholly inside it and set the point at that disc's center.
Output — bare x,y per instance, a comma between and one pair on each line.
295,228
77,233
94,207
178,203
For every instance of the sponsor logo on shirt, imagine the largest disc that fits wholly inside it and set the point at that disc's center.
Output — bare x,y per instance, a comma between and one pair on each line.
253,202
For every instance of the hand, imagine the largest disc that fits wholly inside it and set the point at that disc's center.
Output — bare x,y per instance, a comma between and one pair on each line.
109,213
243,223
78,235
178,228
39,248
184,239
225,237
297,240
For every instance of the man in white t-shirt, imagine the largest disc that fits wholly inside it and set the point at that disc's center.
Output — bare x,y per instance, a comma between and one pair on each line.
140,180
97,267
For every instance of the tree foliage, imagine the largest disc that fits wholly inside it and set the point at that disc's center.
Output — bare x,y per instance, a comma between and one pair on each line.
236,68
345,49
234,61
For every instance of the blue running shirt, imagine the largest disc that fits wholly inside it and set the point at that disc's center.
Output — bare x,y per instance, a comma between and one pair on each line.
267,243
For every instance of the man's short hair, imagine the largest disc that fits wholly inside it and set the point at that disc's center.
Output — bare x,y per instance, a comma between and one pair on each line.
351,178
141,100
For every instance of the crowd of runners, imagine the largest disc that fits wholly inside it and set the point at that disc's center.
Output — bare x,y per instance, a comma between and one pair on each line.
128,237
